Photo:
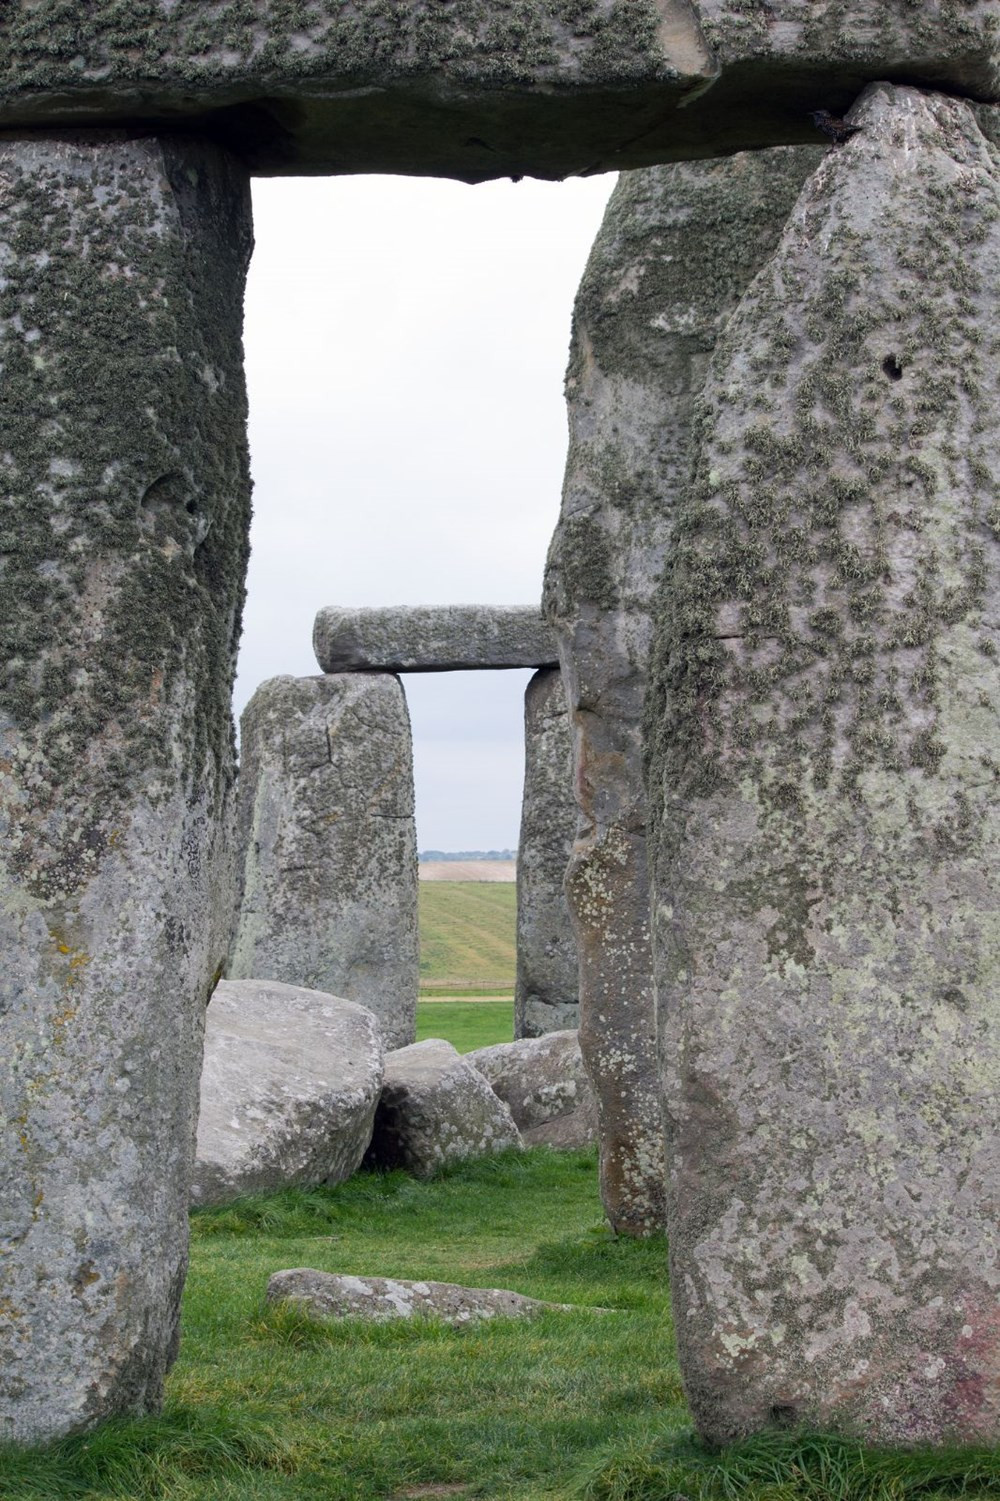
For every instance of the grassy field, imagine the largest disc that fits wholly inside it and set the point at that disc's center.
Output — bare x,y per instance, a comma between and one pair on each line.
467,936
265,1405
467,1024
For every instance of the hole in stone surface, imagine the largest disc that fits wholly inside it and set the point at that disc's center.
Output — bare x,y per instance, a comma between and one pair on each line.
892,367
784,1415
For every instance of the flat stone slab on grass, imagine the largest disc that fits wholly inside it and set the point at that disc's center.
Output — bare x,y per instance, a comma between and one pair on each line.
546,1087
436,1109
328,1295
445,638
288,1090
479,90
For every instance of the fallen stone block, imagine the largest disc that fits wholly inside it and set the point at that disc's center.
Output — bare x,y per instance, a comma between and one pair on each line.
446,638
546,1087
436,1109
289,1088
329,1295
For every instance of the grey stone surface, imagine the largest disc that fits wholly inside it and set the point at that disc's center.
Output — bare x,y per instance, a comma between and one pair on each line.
488,88
289,1085
543,1082
432,638
677,248
436,1109
327,844
329,1295
547,983
826,790
123,527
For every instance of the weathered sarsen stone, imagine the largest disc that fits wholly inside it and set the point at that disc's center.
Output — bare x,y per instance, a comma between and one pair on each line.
677,248
432,638
124,503
289,1085
547,985
485,88
330,1295
826,787
328,845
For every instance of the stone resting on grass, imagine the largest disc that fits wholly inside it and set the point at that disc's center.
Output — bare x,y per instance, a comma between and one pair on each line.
289,1087
327,844
328,1295
545,1086
825,785
436,1109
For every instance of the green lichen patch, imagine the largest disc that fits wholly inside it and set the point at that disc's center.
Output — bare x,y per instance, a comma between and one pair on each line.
124,494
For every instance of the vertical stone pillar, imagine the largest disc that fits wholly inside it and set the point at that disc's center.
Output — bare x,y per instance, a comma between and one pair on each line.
677,248
825,777
328,844
547,987
124,502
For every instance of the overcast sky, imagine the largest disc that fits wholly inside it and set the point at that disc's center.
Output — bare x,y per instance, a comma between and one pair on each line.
406,343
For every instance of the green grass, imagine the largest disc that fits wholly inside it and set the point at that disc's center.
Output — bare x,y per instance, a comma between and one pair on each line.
467,1024
468,934
267,1405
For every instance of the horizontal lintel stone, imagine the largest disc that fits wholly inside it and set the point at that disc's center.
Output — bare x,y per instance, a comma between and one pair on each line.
433,638
480,90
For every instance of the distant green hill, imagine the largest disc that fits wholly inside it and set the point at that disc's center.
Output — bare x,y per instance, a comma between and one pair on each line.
467,935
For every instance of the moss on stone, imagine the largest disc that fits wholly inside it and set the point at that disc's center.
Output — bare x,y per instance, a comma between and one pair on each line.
124,512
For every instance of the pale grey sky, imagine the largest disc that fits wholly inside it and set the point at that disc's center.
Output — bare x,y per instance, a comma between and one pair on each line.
406,342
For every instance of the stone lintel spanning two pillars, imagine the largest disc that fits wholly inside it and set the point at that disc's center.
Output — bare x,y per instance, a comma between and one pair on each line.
825,789
480,89
124,505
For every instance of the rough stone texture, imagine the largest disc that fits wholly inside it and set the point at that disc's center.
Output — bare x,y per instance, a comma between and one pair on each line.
329,1295
328,845
435,1109
543,1082
487,88
123,518
827,802
677,248
432,638
547,984
289,1086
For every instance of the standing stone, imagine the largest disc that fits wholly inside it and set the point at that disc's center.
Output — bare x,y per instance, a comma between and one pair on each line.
123,521
677,248
328,845
826,787
547,986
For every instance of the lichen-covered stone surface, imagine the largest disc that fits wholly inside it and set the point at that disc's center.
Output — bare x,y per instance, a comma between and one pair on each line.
337,1295
328,846
289,1085
546,986
432,638
124,503
677,248
826,789
485,88
436,1109
544,1083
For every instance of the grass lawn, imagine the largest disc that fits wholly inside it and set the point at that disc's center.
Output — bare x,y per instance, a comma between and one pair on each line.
467,1024
580,1406
467,935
